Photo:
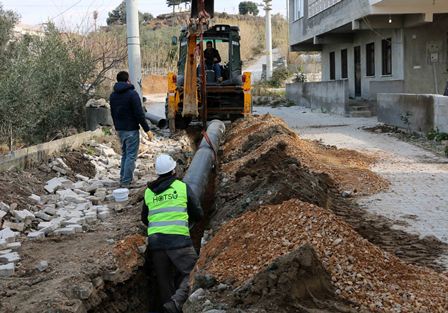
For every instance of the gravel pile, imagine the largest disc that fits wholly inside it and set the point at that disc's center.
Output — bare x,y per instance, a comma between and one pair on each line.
360,271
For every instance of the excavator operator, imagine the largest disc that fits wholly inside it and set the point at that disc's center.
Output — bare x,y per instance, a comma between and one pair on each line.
212,60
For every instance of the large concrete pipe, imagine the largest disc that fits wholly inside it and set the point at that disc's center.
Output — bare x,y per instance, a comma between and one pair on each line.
203,161
160,122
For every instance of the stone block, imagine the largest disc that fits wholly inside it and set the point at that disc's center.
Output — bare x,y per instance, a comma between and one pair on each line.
23,216
60,170
74,221
14,246
12,257
43,216
70,196
76,227
2,215
93,187
35,198
36,235
7,251
42,266
79,185
81,193
50,209
14,226
8,235
3,244
4,207
83,206
82,177
109,183
103,215
7,270
66,231
56,183
91,217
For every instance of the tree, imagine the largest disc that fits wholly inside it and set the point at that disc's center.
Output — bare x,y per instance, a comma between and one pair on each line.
147,17
248,7
118,15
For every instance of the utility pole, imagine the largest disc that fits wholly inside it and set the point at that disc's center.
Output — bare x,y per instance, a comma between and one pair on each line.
134,56
95,18
268,8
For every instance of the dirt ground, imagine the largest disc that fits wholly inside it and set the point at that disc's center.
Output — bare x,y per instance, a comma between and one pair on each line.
17,185
154,84
106,254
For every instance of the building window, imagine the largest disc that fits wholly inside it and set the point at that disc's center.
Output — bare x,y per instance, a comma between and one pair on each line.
344,64
298,9
332,66
370,59
387,56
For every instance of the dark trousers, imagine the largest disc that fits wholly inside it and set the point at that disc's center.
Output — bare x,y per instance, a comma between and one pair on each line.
173,268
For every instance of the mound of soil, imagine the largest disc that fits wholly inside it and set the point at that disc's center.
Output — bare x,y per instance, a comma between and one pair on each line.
251,139
79,163
265,162
16,186
361,272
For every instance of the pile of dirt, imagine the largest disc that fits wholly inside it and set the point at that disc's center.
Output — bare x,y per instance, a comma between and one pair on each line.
77,161
361,273
154,84
16,186
257,136
265,162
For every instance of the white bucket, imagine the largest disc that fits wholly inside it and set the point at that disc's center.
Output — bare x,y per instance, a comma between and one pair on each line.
121,194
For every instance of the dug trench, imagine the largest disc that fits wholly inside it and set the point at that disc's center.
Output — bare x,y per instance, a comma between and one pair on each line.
273,245
264,164
283,234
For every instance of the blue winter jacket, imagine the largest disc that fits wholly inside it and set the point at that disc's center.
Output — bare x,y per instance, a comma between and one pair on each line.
126,108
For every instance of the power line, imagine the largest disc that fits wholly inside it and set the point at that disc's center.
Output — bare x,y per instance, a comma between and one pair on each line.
66,10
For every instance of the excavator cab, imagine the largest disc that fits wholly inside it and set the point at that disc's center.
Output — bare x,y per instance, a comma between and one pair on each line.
227,98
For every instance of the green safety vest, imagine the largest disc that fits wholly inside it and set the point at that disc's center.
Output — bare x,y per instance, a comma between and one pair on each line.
167,211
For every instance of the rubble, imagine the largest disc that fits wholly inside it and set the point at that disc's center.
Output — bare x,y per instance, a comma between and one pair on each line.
7,270
42,266
361,272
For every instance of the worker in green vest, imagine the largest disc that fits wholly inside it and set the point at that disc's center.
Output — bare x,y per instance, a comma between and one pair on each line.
168,208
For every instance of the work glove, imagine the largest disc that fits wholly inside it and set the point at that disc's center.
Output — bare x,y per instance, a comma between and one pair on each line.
150,135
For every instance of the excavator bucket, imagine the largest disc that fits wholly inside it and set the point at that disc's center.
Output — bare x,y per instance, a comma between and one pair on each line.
208,4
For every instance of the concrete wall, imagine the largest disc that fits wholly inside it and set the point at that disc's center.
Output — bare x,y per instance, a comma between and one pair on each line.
362,38
26,157
441,114
329,96
419,71
426,112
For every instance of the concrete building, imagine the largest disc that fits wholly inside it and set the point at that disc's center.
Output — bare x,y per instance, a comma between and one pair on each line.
375,46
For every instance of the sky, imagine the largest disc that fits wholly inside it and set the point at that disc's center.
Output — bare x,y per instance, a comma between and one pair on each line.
72,13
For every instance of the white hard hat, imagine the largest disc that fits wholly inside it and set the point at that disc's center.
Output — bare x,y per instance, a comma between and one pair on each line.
164,164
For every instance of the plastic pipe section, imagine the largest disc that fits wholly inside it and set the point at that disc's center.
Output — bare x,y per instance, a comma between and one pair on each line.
160,122
203,161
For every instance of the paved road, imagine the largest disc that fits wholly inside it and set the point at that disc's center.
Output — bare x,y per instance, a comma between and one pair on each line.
256,68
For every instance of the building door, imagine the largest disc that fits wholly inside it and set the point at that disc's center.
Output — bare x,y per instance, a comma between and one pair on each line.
357,57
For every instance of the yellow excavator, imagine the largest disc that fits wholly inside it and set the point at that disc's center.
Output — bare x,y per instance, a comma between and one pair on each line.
195,93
